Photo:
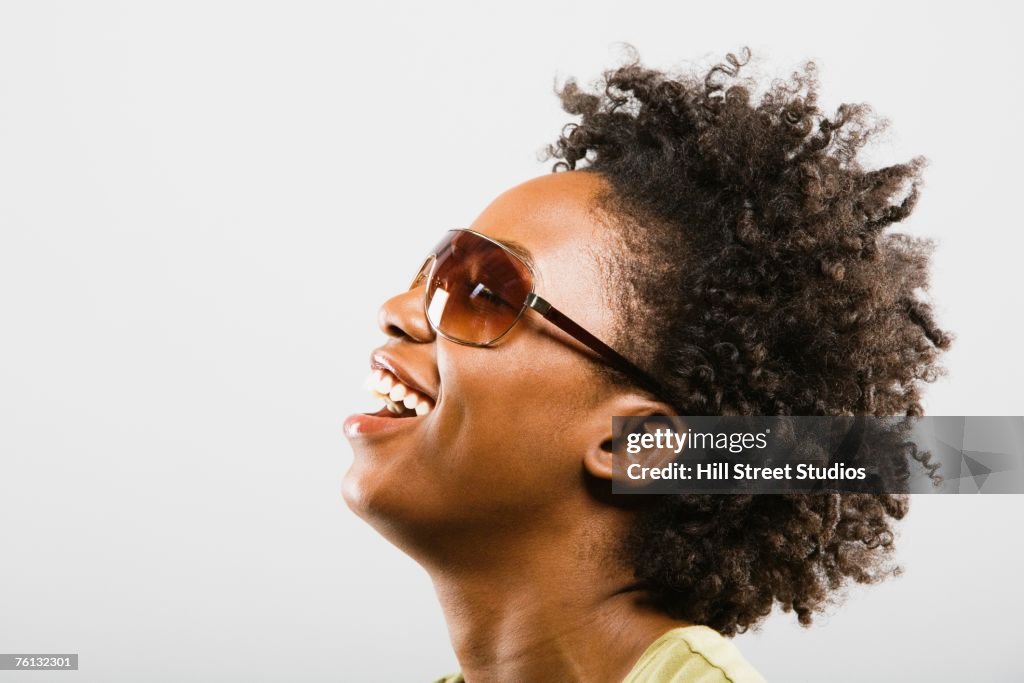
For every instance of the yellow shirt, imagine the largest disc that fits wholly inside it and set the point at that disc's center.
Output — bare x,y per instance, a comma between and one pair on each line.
690,654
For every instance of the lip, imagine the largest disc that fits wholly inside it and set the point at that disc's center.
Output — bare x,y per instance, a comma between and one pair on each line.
381,423
375,424
381,360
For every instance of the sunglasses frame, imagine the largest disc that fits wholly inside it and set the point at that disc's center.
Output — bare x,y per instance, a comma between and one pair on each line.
543,307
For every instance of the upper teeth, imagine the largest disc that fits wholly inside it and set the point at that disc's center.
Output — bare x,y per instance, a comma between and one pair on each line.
385,386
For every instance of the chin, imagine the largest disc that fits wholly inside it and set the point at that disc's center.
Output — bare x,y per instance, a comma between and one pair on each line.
425,522
366,492
352,493
376,493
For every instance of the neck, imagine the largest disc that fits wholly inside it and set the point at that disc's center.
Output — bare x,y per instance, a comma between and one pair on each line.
545,608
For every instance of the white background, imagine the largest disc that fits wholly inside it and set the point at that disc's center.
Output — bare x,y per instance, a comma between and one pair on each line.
202,204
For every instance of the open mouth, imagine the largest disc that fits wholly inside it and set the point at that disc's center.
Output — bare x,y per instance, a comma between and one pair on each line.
398,399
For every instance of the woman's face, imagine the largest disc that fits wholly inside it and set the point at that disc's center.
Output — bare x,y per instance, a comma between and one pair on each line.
505,438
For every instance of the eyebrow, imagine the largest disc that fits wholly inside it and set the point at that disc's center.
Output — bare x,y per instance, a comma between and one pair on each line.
519,250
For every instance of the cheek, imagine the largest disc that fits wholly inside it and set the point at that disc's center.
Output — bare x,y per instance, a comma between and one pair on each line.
504,443
499,444
512,432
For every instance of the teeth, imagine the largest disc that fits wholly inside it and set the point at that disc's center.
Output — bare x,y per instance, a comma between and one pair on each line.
396,396
385,383
372,380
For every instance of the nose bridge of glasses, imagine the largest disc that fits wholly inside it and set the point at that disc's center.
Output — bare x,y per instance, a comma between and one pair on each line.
421,274
437,252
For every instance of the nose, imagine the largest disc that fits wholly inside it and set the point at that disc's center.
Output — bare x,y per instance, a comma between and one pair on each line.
402,317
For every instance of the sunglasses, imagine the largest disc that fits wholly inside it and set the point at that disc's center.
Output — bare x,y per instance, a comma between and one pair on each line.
477,289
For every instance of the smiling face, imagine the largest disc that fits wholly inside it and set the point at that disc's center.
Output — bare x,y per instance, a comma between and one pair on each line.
502,432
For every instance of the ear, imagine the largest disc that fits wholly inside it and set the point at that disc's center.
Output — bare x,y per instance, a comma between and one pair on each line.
598,457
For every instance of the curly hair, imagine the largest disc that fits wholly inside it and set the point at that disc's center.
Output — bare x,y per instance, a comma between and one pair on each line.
753,275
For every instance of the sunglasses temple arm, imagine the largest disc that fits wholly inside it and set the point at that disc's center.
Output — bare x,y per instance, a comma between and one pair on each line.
610,355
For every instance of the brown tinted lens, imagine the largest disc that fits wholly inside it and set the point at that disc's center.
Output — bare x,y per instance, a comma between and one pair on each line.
477,289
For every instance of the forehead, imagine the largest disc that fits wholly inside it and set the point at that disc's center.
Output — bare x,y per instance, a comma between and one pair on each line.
551,217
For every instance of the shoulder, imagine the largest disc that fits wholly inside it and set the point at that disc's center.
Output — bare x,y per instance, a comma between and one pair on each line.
693,654
451,678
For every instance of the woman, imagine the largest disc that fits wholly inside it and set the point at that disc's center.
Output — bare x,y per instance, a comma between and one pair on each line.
696,252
